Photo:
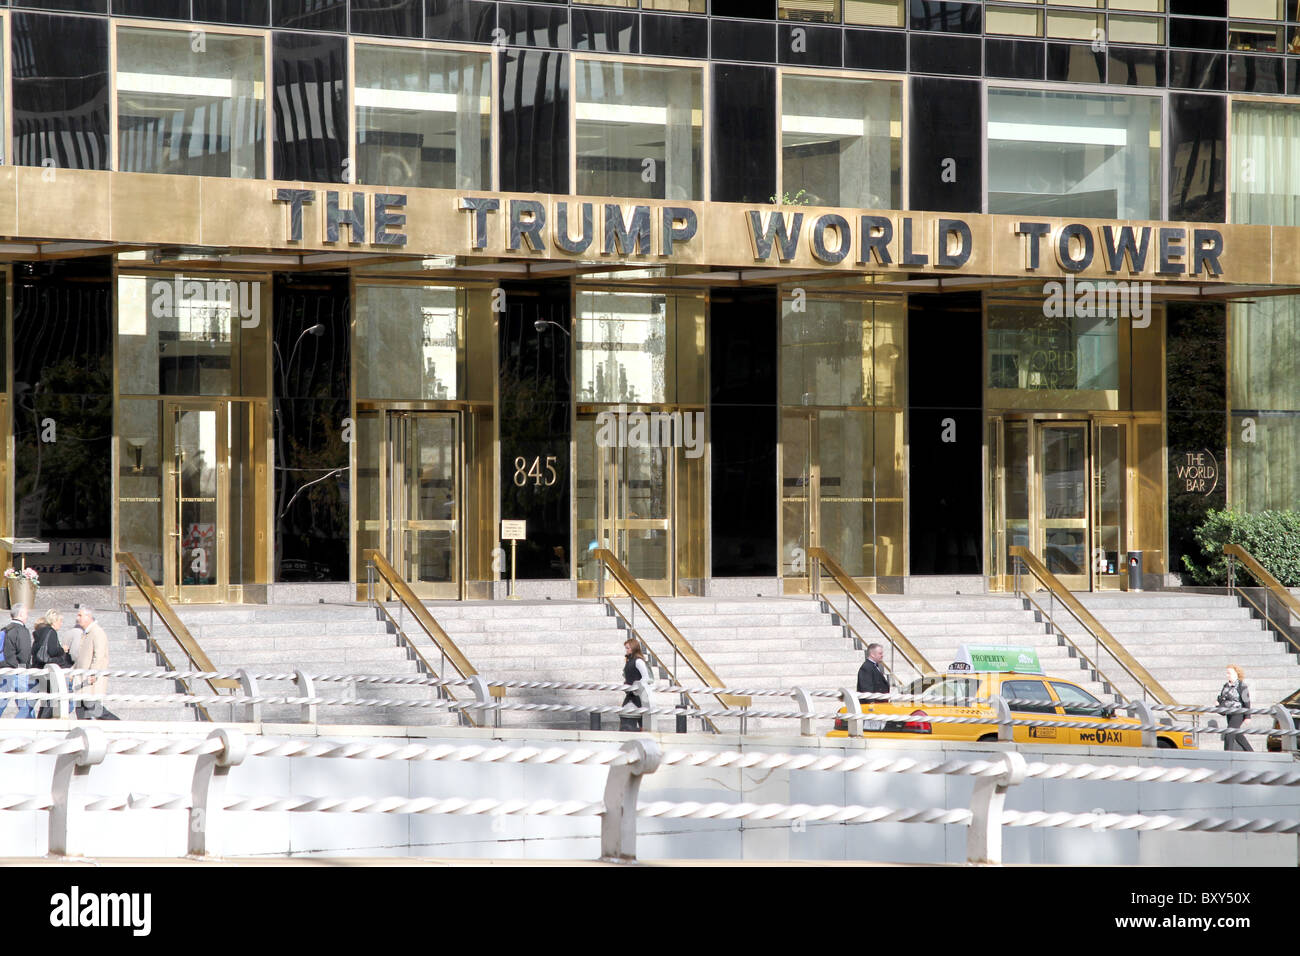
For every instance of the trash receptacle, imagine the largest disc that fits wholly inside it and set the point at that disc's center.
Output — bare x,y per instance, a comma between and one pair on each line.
1135,570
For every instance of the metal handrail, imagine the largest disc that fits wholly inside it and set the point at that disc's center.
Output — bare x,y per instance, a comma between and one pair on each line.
1098,674
1272,587
377,564
680,645
854,595
687,698
1100,635
130,568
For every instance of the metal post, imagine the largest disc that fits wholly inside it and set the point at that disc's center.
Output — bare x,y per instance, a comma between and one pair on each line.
58,685
803,701
248,684
513,596
71,778
482,698
306,689
681,718
1142,711
211,772
1286,723
984,836
852,712
1002,713
618,822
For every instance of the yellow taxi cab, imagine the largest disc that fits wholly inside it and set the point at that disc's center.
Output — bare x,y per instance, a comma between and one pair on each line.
1018,677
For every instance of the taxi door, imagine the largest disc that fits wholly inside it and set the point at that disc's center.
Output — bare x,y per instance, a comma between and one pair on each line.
1081,706
1036,703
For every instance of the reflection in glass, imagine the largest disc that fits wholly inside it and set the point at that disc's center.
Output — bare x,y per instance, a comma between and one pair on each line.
640,130
196,455
188,107
1074,154
408,342
841,351
423,118
841,141
1030,350
1264,345
180,335
60,91
640,347
1064,470
63,417
139,484
1267,190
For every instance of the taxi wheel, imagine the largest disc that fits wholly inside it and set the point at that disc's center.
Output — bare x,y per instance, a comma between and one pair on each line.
1164,743
989,739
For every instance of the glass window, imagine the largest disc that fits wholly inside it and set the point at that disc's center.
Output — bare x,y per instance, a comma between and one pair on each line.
640,347
1264,345
60,91
837,351
1030,348
408,342
640,131
813,11
953,692
1014,21
1078,701
192,104
1074,154
423,118
1031,690
841,142
1266,164
876,13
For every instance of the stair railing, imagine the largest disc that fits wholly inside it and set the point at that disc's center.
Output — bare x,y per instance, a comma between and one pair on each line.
377,566
132,573
869,610
1102,638
1279,606
682,650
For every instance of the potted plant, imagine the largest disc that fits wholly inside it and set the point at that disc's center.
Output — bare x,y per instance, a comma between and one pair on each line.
22,583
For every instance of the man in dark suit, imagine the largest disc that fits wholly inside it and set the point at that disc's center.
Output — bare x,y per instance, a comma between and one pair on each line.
871,675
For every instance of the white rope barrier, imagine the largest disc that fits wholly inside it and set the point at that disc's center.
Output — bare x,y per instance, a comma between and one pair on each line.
659,687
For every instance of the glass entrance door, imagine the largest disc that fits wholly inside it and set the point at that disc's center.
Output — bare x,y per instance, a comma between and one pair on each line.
422,507
626,494
836,494
1063,481
196,564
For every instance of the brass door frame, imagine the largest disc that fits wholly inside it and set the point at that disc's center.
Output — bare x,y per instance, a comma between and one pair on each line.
173,500
1038,517
1104,580
611,521
996,423
395,507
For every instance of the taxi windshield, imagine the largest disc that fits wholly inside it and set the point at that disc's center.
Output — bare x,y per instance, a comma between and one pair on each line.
952,691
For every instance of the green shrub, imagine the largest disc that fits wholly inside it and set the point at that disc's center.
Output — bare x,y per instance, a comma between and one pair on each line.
1272,537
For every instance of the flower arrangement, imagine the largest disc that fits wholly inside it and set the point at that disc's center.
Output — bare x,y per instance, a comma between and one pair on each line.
25,574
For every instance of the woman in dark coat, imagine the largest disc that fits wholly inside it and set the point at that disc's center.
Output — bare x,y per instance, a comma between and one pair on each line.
634,670
1235,693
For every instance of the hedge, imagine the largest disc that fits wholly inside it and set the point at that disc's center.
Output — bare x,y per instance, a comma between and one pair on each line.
1272,537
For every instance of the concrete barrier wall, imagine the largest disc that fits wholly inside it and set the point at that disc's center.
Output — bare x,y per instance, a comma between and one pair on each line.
163,833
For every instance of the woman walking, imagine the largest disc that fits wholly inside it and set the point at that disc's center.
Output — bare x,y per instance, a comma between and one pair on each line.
634,670
1235,693
47,648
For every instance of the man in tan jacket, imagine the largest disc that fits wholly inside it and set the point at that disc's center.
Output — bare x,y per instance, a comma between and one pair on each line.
92,654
